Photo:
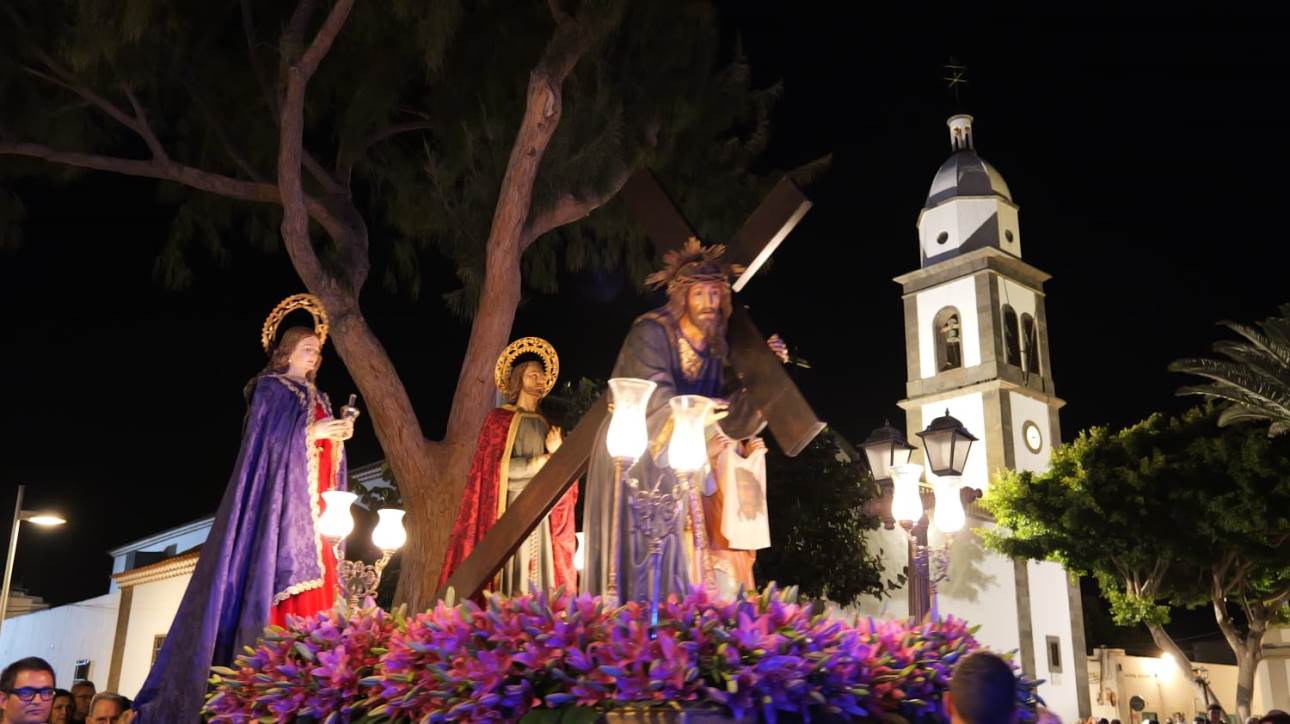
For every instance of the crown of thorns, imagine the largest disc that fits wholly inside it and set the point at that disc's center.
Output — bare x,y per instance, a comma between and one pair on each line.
693,263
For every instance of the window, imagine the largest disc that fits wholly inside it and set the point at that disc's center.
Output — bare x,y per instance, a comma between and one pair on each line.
82,670
157,642
1011,337
949,341
1054,654
1031,340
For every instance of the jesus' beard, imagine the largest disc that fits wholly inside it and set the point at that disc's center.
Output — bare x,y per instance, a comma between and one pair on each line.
714,333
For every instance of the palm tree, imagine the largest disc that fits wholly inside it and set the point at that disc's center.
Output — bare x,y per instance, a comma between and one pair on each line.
1254,379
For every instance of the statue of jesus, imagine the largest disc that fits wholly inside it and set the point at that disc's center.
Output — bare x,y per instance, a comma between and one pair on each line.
682,347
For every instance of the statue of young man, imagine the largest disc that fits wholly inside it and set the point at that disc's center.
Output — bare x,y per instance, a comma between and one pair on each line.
681,347
514,443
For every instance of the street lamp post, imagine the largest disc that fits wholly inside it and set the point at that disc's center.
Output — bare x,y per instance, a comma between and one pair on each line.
19,515
946,445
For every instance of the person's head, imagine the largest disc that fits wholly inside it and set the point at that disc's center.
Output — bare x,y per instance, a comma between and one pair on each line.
983,690
82,693
528,377
1216,713
27,688
1103,721
706,305
106,707
1275,716
60,712
298,354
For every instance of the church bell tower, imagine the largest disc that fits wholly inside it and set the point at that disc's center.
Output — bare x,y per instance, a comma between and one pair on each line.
976,344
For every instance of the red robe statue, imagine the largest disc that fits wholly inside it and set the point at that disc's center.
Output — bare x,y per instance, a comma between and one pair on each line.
506,454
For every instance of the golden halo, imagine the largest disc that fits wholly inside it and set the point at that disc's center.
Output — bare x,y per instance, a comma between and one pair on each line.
307,302
527,345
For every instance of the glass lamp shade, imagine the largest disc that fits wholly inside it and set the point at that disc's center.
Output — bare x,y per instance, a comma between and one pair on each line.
627,434
947,444
906,504
884,448
948,516
579,554
388,535
336,522
688,450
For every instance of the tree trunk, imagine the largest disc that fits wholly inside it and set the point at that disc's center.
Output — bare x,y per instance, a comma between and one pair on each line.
1247,665
1167,644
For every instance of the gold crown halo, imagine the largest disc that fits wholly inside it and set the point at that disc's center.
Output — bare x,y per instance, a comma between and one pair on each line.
527,345
693,263
307,302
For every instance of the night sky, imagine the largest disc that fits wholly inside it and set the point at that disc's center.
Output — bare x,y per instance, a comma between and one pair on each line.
1147,156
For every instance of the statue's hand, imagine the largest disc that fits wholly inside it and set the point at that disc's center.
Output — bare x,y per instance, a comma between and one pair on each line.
338,430
753,444
778,346
554,439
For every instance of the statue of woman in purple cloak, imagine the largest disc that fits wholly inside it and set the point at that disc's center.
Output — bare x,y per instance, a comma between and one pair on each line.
263,558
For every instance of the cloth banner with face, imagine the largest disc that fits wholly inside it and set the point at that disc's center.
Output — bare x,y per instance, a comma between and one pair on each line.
744,518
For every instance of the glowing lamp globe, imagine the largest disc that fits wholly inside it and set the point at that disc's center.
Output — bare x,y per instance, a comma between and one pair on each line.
906,504
688,450
389,534
948,516
884,448
628,435
336,521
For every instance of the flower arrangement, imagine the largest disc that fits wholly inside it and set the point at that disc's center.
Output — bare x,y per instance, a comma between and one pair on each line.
764,653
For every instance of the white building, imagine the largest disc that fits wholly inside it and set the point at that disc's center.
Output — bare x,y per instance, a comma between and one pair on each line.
1135,689
113,639
976,341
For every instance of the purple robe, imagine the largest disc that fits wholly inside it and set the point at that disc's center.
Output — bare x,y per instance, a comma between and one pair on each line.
652,352
261,547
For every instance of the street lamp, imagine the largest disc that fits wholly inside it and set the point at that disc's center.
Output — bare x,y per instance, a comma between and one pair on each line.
947,444
44,519
356,580
885,448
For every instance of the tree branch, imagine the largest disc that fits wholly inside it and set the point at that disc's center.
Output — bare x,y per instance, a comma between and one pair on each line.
1218,598
295,216
248,29
144,128
568,209
500,294
218,130
346,159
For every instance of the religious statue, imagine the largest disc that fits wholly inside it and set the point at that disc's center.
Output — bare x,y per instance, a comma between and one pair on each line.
514,443
682,347
263,558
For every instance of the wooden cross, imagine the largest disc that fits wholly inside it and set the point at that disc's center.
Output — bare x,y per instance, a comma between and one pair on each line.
791,420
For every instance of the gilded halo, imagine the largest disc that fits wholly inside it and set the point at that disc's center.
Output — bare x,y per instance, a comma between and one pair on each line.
527,345
307,302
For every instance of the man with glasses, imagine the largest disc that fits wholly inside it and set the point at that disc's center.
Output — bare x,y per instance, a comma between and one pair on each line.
27,691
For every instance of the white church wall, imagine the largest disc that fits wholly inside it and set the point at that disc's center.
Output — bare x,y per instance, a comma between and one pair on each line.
152,609
64,635
1050,615
184,538
893,549
957,219
1028,409
969,409
1008,222
980,588
1272,681
960,294
1021,299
